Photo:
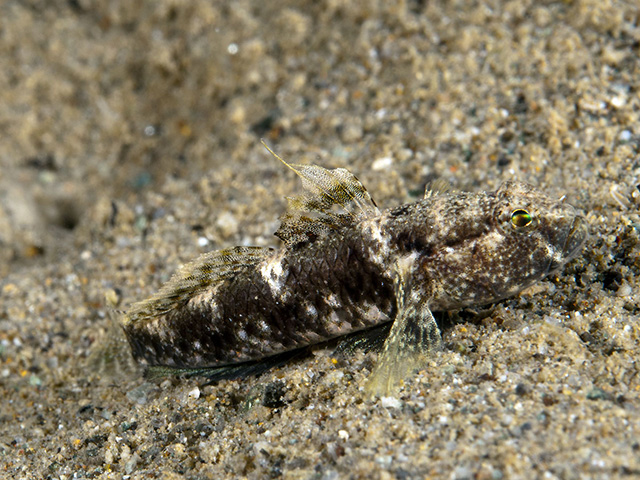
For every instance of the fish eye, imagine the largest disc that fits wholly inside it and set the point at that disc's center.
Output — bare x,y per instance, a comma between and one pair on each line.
521,219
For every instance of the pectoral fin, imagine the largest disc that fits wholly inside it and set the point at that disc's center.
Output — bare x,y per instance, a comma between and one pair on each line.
413,336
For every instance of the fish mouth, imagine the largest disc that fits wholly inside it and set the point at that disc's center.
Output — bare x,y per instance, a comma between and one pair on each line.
574,241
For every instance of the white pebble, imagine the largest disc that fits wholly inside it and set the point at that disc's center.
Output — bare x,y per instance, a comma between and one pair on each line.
382,163
390,402
625,136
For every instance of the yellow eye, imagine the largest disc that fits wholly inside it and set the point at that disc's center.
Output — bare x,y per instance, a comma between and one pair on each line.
521,219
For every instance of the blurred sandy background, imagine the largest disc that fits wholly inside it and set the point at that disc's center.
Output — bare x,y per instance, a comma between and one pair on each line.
129,143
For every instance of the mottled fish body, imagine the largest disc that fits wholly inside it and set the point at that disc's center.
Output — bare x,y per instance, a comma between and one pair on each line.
345,267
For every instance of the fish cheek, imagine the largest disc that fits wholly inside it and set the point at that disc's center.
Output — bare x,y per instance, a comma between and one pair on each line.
528,261
501,266
465,274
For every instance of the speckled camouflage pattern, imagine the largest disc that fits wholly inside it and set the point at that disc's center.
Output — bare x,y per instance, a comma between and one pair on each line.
353,267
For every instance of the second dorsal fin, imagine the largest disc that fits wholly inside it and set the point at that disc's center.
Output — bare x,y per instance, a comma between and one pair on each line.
193,278
333,199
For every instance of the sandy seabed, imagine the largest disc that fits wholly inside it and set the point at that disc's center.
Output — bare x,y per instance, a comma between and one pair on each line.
129,144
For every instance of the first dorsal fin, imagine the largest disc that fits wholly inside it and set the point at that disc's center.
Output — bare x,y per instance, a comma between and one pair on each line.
195,277
333,199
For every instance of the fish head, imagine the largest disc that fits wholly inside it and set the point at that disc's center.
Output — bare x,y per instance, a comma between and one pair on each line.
540,233
505,241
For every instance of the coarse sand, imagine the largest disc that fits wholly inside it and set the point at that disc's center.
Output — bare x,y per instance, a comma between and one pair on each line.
130,143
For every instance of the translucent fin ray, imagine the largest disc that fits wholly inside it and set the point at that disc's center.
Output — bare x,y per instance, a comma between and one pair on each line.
437,187
195,277
413,336
227,372
333,199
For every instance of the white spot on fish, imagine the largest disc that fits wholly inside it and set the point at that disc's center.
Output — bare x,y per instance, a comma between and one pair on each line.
274,276
264,326
379,248
332,301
